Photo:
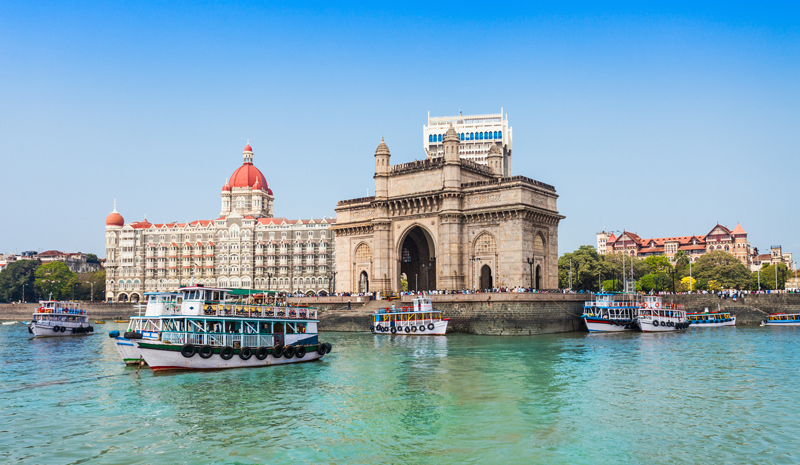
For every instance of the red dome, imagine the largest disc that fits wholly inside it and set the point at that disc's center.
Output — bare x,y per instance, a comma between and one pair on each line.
226,187
247,148
247,175
115,219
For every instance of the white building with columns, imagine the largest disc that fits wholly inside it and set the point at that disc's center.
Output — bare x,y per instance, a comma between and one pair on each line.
246,247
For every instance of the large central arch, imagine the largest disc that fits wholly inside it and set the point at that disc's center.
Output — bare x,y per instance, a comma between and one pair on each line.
417,259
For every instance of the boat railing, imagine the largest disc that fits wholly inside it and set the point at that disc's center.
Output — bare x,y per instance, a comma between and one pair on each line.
611,304
254,311
218,339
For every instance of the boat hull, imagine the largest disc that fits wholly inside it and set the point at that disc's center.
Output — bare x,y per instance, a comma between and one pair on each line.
166,357
781,323
601,325
40,330
127,350
715,324
647,326
439,329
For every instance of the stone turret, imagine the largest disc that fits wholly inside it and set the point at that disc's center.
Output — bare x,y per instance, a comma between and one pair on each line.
495,159
452,160
382,166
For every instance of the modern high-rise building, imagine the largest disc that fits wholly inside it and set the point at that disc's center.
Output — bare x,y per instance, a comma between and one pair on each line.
476,134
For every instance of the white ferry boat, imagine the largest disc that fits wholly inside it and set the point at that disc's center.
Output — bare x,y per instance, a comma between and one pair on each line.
782,319
54,318
418,320
658,316
147,326
611,313
711,319
211,333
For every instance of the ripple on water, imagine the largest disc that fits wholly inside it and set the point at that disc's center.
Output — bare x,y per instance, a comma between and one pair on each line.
722,395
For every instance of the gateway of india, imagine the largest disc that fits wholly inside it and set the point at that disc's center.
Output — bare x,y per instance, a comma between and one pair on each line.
455,220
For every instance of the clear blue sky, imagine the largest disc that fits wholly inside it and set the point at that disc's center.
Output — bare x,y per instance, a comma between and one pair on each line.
659,119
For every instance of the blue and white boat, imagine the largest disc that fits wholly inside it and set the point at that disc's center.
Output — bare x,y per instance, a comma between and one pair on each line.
610,312
782,319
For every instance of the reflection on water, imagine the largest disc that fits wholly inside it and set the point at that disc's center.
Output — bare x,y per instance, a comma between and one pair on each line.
720,395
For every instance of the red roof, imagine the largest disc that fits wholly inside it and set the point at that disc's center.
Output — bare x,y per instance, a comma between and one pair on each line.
247,148
738,229
247,175
115,219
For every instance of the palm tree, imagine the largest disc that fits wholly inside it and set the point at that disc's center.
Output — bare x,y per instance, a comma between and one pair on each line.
681,258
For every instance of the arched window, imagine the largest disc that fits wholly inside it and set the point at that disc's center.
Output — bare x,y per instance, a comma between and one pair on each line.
440,138
430,137
499,134
461,136
363,253
538,245
495,135
472,136
485,245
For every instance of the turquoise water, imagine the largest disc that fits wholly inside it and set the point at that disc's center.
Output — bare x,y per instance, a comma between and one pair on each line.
702,396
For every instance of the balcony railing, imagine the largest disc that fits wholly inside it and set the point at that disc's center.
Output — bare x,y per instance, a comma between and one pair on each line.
218,339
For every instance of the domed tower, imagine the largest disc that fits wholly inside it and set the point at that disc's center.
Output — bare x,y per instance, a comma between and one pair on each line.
452,160
247,191
495,159
114,223
382,165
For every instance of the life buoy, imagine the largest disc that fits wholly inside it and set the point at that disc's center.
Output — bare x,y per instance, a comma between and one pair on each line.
657,304
226,353
288,352
261,353
187,350
300,352
321,349
655,323
430,326
206,351
644,304
277,351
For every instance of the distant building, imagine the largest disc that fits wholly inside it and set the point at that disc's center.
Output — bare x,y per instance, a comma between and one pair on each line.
719,238
476,134
76,261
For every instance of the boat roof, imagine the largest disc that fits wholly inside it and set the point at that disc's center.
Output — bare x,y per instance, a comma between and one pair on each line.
197,288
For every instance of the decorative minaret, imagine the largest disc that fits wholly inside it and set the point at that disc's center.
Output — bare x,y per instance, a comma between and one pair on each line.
382,164
226,199
449,266
495,160
452,161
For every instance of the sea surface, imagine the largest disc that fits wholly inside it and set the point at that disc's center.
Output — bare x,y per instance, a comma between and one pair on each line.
725,395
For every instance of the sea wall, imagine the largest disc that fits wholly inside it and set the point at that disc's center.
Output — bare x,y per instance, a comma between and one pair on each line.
749,309
97,311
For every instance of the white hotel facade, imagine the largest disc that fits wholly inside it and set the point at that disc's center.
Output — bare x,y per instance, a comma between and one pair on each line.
476,133
246,247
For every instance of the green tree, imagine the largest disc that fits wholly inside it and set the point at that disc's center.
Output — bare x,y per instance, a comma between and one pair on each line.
658,264
92,258
681,259
586,269
724,268
713,285
768,277
14,276
57,278
91,282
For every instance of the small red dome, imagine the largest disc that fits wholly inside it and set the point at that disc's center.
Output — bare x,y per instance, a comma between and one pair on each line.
247,148
226,187
115,219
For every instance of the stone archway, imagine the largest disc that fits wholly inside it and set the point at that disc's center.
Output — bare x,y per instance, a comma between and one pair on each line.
135,297
122,297
363,282
486,277
417,260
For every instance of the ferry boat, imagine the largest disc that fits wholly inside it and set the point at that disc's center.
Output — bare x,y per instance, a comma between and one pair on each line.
611,313
54,318
657,316
418,320
147,326
711,319
212,333
782,319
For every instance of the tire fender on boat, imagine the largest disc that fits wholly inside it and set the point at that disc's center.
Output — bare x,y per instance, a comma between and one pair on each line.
226,353
187,350
394,330
422,328
328,347
430,326
408,330
321,349
655,322
414,328
300,352
245,353
206,351
288,352
56,328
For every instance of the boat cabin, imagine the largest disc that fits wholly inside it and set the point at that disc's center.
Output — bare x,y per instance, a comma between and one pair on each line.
163,303
195,298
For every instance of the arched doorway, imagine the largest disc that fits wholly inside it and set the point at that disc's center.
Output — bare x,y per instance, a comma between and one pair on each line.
537,281
122,298
363,282
418,260
486,277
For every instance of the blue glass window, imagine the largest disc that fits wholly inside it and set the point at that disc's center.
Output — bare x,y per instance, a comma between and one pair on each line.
499,134
430,137
461,136
440,138
495,135
471,136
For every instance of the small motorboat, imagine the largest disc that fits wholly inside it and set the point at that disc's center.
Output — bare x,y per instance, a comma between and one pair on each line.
9,323
121,321
99,322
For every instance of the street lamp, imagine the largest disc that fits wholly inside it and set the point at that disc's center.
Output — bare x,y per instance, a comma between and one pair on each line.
91,297
23,290
426,268
530,261
473,260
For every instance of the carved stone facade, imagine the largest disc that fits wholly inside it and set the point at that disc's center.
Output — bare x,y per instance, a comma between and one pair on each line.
447,223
